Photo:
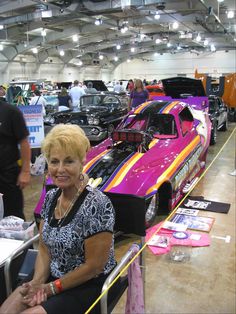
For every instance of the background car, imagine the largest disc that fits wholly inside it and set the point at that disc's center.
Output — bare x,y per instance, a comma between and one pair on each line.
218,116
98,116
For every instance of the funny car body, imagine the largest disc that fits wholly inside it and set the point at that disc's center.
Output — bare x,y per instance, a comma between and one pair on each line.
154,156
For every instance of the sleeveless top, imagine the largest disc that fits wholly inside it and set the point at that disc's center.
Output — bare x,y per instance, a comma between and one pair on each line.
66,243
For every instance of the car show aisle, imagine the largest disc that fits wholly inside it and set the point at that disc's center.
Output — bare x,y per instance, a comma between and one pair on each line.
206,283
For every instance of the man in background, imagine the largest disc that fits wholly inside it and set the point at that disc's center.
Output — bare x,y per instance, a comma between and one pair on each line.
90,89
13,178
75,93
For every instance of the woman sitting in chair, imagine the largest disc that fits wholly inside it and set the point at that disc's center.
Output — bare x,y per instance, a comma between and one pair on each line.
76,249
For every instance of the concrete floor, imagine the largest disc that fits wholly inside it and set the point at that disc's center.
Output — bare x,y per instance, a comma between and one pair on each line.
206,284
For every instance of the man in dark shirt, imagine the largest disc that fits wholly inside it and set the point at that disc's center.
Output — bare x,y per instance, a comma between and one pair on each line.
13,178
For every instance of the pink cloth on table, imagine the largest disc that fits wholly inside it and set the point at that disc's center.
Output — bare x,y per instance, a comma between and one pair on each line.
135,297
203,241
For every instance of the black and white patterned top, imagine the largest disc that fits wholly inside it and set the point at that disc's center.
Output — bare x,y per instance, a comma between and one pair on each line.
66,243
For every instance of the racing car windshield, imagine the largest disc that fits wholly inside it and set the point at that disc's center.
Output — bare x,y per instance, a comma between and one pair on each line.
156,124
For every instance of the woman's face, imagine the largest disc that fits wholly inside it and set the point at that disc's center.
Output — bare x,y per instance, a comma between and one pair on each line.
138,83
64,169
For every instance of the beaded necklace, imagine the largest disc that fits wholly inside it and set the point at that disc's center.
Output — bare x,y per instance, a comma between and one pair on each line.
71,204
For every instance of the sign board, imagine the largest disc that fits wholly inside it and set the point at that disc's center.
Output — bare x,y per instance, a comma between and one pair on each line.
34,120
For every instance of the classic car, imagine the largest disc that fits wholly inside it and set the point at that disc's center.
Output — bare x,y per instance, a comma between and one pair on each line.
154,157
218,116
98,116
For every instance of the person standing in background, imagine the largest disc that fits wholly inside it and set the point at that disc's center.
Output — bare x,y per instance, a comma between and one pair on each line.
90,89
38,99
130,86
64,99
75,93
138,95
13,178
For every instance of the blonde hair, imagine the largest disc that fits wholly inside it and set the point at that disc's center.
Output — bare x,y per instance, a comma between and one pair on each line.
68,137
138,81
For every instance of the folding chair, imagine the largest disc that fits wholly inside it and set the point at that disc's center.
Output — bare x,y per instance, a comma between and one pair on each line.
8,263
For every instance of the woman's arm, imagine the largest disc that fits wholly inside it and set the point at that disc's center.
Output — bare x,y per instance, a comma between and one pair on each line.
97,250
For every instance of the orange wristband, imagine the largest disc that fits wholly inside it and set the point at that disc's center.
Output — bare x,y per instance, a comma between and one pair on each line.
58,285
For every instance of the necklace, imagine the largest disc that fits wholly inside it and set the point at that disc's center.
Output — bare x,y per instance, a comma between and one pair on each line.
71,204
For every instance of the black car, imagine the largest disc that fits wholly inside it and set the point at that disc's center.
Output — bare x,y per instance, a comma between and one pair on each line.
218,116
98,115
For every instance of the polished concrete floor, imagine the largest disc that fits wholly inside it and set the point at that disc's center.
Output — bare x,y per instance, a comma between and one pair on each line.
206,284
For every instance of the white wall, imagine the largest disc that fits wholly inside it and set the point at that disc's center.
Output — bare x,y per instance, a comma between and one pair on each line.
151,67
167,65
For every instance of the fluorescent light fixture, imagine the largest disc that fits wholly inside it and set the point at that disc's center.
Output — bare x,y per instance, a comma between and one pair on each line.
35,50
101,57
220,0
155,54
43,32
128,60
235,39
1,47
158,41
116,58
98,22
118,46
1,26
230,14
205,42
75,38
157,16
46,13
62,53
132,49
198,38
25,44
213,48
175,25
168,45
80,62
178,48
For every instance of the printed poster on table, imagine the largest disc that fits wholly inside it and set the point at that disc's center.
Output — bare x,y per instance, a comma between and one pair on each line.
34,120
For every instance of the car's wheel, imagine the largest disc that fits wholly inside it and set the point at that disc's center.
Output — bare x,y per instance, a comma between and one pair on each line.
110,128
152,210
213,135
224,126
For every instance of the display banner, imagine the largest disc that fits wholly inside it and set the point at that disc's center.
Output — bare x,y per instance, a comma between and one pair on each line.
34,120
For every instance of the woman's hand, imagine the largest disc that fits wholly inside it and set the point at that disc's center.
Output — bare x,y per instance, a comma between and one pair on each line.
33,293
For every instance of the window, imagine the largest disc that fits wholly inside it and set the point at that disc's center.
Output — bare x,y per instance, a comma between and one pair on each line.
186,120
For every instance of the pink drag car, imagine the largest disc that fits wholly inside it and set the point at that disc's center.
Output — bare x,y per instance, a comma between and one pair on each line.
154,156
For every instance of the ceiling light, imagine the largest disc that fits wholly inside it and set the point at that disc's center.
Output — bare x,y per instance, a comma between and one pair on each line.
124,29
35,50
118,46
158,41
142,36
205,42
101,57
213,48
46,13
235,39
157,16
75,38
230,14
169,45
220,0
128,60
62,53
1,47
178,47
198,38
80,62
155,54
25,44
132,49
43,33
1,26
98,22
116,58
175,25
